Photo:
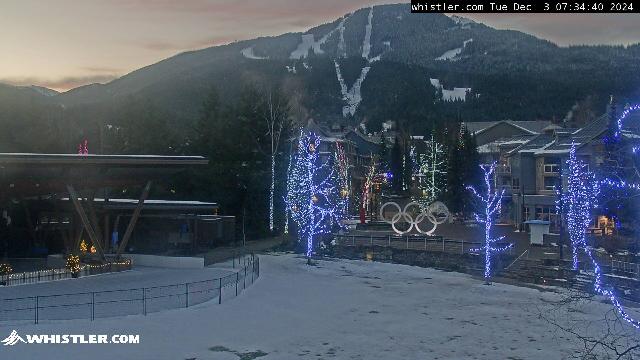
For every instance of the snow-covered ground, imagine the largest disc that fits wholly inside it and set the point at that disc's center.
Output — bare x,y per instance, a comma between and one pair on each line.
249,54
452,55
338,309
457,94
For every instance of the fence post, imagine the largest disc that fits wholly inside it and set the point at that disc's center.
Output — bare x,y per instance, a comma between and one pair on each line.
462,245
353,240
389,240
371,239
220,291
425,243
186,295
407,240
237,279
443,244
37,304
93,305
244,279
144,301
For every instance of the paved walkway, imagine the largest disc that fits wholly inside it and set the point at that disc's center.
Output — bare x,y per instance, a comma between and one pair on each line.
226,253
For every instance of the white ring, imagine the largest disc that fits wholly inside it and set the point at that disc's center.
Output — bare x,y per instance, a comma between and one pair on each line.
430,213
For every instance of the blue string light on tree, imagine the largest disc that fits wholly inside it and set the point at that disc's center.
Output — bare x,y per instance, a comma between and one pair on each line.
580,200
492,205
313,199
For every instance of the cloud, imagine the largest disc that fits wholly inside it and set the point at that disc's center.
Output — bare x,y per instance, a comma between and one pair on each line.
102,69
60,84
161,45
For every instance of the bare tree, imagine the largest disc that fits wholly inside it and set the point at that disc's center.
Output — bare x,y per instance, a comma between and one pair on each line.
277,121
267,117
596,332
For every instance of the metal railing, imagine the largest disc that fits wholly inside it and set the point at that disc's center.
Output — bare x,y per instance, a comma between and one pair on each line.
626,268
59,274
414,242
133,301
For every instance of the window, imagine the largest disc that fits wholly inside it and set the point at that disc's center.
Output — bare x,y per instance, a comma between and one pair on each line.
548,213
551,183
551,165
551,168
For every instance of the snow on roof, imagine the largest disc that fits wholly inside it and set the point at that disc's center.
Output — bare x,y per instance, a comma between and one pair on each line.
530,127
152,202
494,146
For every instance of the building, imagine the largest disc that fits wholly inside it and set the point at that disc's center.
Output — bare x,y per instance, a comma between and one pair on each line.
490,131
38,219
532,156
360,150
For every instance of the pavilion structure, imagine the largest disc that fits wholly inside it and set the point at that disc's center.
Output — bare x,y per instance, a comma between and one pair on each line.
46,180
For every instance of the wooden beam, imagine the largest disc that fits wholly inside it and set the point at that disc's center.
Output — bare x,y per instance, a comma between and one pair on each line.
134,219
73,195
96,226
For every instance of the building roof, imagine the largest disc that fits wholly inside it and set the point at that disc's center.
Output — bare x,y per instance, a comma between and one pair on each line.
166,205
530,127
497,145
26,174
561,141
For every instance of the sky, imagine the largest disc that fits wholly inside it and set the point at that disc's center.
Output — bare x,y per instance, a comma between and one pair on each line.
64,44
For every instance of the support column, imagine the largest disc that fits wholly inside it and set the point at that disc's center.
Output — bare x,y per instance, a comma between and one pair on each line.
134,219
73,195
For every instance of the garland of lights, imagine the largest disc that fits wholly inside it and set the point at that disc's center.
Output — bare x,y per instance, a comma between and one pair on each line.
73,264
5,269
126,262
368,181
624,115
313,198
342,178
83,247
492,206
433,166
83,148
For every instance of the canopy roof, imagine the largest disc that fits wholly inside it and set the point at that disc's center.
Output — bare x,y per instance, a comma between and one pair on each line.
25,174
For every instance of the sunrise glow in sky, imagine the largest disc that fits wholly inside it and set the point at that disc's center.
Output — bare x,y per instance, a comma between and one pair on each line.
69,43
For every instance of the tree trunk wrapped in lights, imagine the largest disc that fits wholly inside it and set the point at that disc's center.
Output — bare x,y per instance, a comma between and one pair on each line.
579,200
492,205
313,199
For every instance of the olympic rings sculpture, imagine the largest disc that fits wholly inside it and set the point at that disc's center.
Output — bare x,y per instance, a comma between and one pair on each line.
414,214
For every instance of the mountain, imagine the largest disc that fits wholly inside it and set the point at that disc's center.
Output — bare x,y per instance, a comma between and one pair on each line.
377,64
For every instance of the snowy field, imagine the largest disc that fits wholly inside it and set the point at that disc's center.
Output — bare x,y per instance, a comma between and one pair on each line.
339,309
